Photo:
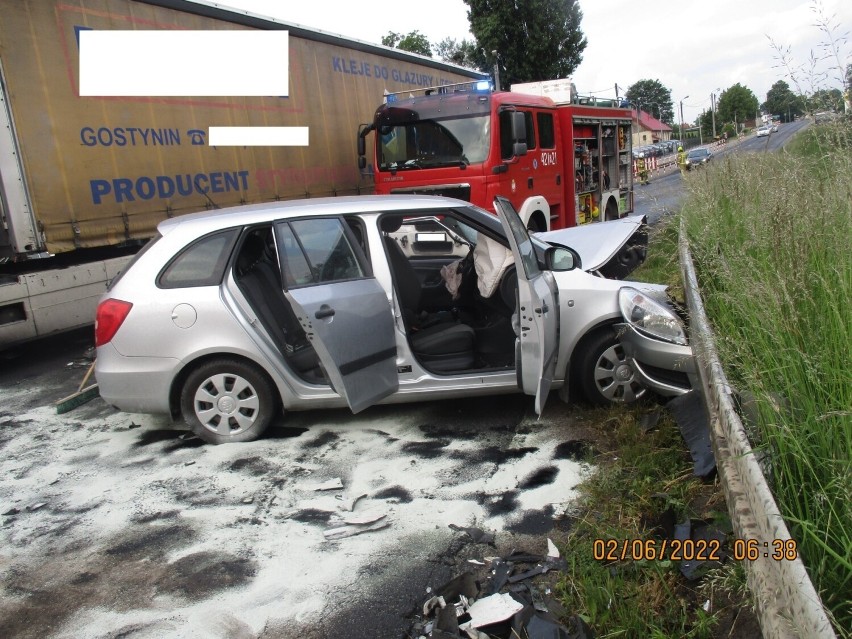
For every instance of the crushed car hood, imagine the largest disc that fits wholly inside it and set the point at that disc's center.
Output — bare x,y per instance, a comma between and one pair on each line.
601,245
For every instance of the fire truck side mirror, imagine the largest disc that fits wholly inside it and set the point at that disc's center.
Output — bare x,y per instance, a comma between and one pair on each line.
362,146
519,134
362,162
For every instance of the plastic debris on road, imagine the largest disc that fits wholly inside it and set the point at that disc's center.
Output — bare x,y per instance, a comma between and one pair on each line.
504,604
331,484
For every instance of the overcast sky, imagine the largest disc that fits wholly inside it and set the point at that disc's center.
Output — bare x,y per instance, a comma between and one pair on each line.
693,48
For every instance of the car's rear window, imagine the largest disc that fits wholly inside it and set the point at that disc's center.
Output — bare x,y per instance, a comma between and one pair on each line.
202,263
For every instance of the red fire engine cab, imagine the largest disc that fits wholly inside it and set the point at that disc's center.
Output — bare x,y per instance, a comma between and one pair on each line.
560,159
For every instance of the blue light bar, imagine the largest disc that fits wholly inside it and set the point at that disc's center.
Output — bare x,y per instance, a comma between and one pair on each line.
483,86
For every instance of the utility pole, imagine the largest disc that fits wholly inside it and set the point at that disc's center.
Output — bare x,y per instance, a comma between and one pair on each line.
496,71
713,112
682,131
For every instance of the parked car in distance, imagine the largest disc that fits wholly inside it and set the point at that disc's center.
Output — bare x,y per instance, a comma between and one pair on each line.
698,157
228,316
764,131
774,127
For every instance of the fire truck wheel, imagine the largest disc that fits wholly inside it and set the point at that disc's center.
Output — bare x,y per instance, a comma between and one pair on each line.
535,225
611,210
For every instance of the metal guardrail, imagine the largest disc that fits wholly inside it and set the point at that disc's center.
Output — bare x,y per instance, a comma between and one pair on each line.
788,606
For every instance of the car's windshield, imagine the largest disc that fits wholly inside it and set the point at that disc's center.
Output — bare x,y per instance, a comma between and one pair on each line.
433,131
698,153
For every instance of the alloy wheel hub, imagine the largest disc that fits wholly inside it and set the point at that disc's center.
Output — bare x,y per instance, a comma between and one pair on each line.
623,373
226,404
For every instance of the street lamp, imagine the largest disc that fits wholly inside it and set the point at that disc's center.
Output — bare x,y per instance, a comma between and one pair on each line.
682,135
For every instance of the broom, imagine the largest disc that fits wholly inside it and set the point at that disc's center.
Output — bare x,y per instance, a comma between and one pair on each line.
82,395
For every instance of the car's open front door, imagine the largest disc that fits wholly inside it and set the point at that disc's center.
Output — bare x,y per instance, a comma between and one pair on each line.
537,313
343,309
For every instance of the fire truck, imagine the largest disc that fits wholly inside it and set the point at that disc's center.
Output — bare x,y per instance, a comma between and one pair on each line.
562,160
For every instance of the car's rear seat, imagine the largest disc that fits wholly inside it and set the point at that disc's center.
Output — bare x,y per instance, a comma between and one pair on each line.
260,280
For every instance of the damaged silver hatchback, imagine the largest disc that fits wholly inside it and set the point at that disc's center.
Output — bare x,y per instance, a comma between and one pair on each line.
228,317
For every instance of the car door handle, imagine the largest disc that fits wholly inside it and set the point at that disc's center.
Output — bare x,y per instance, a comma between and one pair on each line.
324,311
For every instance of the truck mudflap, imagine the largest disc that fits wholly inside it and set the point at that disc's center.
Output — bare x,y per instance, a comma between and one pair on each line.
611,249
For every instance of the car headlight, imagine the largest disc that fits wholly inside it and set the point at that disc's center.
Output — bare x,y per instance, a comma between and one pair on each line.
651,317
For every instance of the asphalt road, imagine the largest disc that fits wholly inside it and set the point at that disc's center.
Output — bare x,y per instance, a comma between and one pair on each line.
664,195
124,525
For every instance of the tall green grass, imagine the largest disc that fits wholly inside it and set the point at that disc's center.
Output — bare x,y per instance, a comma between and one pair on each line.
771,235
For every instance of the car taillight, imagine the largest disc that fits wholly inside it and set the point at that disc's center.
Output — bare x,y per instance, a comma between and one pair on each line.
109,318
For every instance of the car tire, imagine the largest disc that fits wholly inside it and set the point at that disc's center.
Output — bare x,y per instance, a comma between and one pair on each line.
227,400
601,371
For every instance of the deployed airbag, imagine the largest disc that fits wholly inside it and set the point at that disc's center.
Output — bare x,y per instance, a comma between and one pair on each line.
490,259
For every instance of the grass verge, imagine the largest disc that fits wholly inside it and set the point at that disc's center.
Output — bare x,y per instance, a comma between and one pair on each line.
643,485
770,237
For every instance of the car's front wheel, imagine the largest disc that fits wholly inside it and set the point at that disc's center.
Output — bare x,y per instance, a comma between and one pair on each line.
602,371
226,400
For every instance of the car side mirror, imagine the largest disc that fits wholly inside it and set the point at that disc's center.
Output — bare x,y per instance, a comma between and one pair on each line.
561,258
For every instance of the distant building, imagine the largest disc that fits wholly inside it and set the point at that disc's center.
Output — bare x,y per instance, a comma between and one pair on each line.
649,130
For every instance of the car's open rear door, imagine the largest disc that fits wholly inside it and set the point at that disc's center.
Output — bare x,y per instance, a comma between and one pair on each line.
343,309
537,312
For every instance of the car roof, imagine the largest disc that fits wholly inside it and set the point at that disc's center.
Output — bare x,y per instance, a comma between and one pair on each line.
327,206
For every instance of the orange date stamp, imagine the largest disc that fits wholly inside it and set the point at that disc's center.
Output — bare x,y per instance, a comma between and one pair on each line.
657,549
692,550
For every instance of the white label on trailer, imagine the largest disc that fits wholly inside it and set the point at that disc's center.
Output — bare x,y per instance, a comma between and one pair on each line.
184,63
258,136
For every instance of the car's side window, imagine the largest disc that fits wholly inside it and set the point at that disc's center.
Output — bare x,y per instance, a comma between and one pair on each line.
202,263
295,267
316,251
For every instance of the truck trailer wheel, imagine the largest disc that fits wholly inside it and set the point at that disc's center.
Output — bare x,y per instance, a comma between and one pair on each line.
226,400
601,371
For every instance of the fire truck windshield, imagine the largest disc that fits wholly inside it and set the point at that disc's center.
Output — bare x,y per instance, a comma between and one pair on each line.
429,133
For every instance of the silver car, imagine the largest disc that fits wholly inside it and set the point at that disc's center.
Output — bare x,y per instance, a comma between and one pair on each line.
228,317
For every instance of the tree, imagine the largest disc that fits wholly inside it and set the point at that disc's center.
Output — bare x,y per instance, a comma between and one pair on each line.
533,39
780,100
736,103
465,53
826,100
415,42
652,97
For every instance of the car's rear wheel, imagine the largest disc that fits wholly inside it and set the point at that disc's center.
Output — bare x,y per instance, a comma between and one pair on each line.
226,400
602,372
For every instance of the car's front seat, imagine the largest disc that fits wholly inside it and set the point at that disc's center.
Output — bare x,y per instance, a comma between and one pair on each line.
443,347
